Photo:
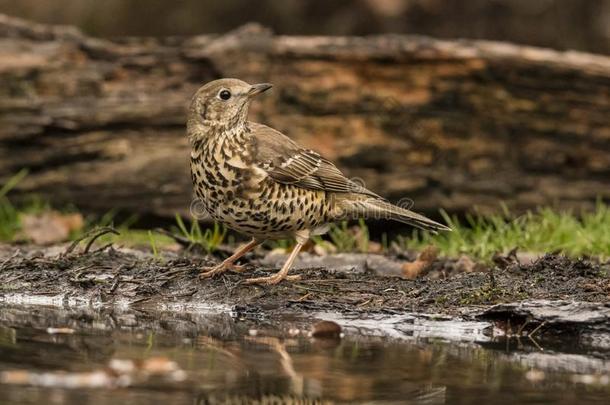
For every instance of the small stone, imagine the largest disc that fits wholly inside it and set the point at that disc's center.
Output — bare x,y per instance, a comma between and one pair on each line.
384,266
527,258
326,330
465,264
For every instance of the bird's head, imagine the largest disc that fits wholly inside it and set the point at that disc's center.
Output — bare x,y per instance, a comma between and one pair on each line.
223,104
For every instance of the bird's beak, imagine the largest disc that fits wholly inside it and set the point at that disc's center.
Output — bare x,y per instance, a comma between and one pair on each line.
259,88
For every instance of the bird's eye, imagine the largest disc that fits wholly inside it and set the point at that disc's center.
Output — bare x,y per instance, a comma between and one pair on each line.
224,95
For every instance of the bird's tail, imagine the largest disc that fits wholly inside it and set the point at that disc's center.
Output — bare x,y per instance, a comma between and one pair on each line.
381,209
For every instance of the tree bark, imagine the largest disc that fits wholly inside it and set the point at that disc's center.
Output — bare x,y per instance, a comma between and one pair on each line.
451,124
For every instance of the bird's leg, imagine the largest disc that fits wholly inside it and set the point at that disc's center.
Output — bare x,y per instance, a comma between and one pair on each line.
229,263
283,273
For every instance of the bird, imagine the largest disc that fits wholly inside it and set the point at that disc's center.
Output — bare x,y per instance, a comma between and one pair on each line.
257,181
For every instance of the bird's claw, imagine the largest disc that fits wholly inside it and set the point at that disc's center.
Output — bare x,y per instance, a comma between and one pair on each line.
208,272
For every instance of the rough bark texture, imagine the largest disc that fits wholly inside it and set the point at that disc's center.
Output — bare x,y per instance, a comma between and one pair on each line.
452,124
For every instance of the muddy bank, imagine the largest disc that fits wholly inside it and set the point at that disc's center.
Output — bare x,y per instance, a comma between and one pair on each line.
139,279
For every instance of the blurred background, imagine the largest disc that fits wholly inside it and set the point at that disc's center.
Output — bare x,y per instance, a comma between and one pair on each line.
408,101
561,24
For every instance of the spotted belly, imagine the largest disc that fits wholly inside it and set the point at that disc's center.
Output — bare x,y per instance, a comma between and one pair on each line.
276,211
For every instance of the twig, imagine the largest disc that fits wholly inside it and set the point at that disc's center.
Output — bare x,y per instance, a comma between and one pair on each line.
304,297
175,273
365,302
106,246
100,232
312,289
139,300
10,258
115,284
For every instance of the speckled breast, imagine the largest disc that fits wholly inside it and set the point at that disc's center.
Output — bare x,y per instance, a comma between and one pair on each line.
240,195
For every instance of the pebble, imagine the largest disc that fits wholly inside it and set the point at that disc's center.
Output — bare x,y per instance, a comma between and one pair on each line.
326,330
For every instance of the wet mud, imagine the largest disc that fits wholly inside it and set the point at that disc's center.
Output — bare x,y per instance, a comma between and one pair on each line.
139,279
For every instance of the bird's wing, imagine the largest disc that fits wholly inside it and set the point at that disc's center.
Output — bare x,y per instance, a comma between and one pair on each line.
286,162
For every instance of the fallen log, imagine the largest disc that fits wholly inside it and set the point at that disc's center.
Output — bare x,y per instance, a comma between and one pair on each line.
452,124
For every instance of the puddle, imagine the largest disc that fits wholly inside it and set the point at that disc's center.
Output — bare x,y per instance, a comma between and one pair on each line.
205,356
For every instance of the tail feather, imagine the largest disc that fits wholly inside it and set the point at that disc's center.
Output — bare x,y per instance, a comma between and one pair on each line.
378,208
408,217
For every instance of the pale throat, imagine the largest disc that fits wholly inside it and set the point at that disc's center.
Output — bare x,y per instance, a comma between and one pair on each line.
216,129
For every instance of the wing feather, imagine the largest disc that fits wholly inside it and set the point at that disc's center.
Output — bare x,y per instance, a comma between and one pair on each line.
286,162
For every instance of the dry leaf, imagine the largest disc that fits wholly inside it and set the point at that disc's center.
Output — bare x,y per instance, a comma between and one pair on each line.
375,247
423,261
50,227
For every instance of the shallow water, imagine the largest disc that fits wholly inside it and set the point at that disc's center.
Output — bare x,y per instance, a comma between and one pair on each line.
194,357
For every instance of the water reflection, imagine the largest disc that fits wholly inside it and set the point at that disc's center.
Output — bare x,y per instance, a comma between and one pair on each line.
227,360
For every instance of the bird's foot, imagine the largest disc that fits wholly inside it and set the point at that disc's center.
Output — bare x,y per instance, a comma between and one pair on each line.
271,280
221,268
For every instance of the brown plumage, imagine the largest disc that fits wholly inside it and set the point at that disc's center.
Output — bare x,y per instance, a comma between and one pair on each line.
259,182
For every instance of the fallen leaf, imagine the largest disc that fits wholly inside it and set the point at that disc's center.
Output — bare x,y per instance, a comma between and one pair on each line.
424,260
413,269
50,227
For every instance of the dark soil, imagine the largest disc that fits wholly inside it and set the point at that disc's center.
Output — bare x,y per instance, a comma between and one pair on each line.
138,278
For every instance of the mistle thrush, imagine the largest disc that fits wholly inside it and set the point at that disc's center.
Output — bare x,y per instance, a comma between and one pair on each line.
257,181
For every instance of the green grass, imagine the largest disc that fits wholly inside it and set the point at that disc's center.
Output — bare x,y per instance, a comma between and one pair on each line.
136,238
478,236
346,238
209,239
9,214
542,231
10,225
